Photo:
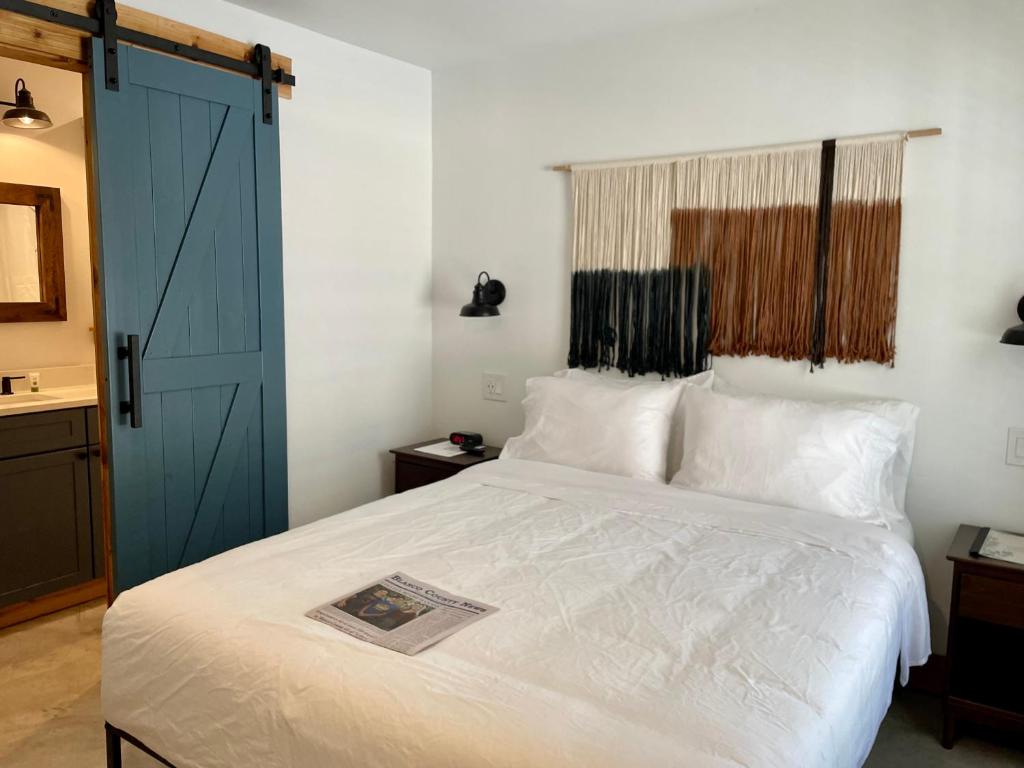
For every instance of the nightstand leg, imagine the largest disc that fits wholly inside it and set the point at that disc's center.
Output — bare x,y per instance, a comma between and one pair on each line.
948,726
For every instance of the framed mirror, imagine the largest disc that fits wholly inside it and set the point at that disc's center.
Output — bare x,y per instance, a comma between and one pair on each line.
31,255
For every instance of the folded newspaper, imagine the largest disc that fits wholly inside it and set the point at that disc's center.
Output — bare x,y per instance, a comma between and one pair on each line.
400,613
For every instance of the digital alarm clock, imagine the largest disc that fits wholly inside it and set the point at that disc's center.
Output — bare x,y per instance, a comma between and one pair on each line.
467,441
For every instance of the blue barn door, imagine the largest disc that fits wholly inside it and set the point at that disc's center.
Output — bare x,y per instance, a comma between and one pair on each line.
188,185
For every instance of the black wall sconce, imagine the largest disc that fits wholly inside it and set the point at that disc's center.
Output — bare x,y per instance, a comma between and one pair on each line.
1015,335
24,115
487,295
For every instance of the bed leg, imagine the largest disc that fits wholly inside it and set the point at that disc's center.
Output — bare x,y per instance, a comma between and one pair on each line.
113,746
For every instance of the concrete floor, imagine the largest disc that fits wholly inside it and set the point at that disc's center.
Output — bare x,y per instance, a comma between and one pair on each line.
50,701
50,707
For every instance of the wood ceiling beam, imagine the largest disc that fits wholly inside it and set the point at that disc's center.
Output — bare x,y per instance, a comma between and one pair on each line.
45,43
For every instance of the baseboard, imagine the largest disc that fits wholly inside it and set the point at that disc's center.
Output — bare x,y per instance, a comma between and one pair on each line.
56,601
931,677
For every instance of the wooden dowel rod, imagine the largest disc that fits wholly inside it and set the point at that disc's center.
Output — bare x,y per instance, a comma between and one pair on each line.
917,133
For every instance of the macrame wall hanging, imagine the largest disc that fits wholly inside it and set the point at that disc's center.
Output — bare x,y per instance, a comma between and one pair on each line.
789,252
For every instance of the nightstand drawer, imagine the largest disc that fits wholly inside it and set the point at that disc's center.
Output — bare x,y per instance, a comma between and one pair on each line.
409,475
997,601
414,468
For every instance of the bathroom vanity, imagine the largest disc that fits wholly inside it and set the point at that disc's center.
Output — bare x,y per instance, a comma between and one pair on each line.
51,547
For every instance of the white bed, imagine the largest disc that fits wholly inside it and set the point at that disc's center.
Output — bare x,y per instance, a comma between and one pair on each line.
639,625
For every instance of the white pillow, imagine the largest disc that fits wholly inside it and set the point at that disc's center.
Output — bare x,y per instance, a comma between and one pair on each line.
588,425
812,456
678,430
902,414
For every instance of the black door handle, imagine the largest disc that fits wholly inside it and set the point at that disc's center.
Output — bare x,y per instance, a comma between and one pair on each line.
133,405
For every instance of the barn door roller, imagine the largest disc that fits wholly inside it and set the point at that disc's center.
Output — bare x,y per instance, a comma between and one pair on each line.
103,24
262,55
106,14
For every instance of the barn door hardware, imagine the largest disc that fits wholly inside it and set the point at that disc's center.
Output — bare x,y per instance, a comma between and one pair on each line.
106,15
262,55
103,24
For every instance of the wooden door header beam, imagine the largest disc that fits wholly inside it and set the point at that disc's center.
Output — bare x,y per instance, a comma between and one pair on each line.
65,43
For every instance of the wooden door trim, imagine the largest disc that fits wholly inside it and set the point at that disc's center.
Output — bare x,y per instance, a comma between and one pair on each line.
40,42
99,338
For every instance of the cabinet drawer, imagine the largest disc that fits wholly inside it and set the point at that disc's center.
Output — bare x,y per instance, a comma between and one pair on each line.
31,433
997,601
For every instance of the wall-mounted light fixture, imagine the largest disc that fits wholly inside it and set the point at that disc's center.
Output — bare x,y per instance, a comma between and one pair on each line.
1015,335
487,295
24,115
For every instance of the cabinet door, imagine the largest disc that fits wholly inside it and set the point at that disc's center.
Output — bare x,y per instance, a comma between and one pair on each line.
47,534
96,494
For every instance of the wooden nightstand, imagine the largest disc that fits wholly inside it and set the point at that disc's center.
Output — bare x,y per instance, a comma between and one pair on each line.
413,469
985,672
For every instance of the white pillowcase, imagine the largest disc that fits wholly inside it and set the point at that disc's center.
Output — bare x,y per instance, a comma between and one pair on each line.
814,456
678,431
589,425
902,414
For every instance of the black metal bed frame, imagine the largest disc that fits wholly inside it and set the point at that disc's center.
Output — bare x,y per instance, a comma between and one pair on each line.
114,738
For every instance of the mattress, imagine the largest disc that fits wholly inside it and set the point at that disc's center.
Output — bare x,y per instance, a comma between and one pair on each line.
639,625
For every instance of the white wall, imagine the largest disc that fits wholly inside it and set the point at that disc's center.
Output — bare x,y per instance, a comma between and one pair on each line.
51,158
355,175
798,70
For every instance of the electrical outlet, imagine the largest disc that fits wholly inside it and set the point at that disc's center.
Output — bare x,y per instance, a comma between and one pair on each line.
1015,447
494,386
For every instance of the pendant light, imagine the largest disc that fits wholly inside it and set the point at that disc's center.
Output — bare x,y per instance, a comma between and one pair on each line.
24,115
1015,335
487,295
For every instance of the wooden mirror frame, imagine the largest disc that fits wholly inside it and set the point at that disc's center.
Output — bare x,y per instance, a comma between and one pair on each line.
50,246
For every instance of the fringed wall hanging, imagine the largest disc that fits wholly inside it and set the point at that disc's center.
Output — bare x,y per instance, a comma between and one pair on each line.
752,222
790,252
628,298
862,266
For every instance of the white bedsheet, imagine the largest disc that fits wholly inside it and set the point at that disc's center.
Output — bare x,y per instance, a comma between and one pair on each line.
640,625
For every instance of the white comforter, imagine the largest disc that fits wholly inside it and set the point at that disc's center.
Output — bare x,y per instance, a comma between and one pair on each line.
640,625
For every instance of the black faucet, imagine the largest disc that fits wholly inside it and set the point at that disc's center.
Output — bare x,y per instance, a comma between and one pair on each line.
5,384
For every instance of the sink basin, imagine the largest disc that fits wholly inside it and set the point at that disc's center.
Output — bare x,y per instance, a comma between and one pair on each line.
25,397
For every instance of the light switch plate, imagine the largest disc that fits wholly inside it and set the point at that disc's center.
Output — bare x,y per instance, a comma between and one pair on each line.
494,386
1015,447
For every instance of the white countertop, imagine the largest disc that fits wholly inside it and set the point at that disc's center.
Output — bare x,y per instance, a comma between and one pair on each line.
52,399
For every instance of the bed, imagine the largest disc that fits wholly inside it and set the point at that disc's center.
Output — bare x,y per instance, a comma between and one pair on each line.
639,624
